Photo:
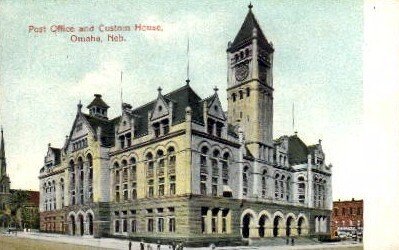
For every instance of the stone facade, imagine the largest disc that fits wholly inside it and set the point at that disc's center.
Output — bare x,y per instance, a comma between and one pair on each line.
180,168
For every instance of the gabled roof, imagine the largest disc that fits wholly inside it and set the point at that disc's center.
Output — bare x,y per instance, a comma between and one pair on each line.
57,155
181,98
107,128
244,35
297,151
98,101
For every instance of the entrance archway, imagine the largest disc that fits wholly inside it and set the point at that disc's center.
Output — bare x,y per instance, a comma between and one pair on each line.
301,221
246,222
90,220
81,224
73,225
288,226
276,225
262,224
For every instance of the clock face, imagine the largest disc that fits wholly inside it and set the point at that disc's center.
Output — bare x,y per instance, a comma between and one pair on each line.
242,72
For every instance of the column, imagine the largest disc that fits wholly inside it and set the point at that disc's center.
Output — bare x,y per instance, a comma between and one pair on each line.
208,221
219,221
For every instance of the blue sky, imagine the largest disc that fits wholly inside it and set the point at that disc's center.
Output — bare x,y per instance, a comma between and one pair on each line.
317,65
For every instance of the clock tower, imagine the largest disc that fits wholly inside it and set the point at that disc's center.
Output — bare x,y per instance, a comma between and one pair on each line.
250,86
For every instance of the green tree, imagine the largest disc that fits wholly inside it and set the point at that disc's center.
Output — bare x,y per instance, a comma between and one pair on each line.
17,201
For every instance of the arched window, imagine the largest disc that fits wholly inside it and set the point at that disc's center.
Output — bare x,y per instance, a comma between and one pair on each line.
241,54
248,91
236,57
264,184
246,52
215,172
276,186
117,181
241,94
62,190
171,160
150,175
125,179
245,181
301,189
72,181
225,168
133,177
203,170
81,179
90,177
234,96
288,186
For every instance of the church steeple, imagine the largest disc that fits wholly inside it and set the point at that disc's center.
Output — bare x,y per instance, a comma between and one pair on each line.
3,164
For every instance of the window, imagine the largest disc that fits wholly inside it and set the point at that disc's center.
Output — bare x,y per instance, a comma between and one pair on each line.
172,183
225,169
301,189
161,187
172,225
128,139
134,226
122,141
245,181
150,225
165,126
234,96
124,225
204,212
219,129
248,91
160,224
116,226
150,188
264,176
241,94
343,211
157,129
210,125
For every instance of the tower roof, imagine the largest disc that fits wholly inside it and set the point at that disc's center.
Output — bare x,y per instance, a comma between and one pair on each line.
98,101
2,150
244,35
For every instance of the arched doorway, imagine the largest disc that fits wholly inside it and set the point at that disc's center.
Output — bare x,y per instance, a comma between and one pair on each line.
73,225
81,224
90,220
301,221
288,226
245,225
276,225
262,225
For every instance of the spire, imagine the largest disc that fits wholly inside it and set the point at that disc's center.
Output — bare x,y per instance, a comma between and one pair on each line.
245,34
2,150
3,170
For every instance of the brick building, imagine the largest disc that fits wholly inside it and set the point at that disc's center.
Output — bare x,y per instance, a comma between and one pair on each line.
347,216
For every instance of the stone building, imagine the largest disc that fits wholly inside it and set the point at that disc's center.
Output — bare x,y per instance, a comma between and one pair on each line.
347,216
181,168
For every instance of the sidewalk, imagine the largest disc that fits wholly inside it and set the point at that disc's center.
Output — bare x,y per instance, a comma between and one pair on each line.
110,243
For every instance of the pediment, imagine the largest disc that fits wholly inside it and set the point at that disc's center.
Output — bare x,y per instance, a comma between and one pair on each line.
215,108
80,128
125,123
160,109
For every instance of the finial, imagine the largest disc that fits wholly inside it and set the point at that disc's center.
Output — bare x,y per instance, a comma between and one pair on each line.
1,129
188,60
80,105
296,133
216,89
319,141
159,90
250,6
188,81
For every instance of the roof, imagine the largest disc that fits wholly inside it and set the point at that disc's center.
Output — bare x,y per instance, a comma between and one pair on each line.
181,98
244,35
107,128
2,147
98,101
57,155
297,150
34,197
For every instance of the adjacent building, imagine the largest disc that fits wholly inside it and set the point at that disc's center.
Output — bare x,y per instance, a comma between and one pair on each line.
182,168
347,216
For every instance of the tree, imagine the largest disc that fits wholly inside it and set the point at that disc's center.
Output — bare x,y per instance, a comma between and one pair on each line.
17,201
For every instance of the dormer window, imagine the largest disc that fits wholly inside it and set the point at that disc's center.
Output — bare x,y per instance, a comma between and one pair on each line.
219,128
157,129
159,108
161,128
